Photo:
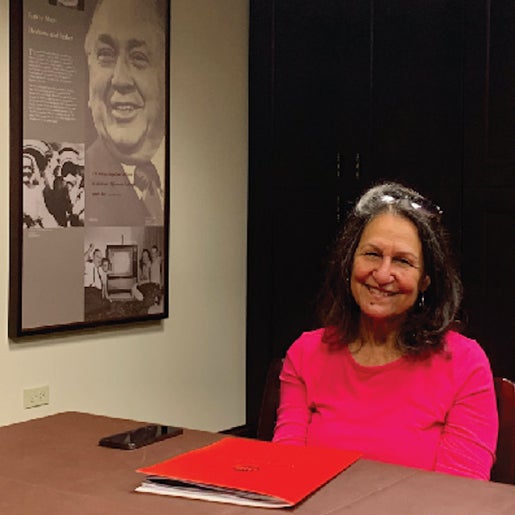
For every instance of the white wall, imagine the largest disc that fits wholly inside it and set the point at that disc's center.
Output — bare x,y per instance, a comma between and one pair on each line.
189,369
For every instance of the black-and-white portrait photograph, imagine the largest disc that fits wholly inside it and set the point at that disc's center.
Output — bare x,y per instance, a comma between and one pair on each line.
53,184
89,163
125,165
123,272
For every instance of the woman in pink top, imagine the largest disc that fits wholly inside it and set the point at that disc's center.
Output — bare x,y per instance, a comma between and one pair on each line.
387,376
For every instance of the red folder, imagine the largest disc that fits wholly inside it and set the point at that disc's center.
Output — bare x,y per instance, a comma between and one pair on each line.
250,472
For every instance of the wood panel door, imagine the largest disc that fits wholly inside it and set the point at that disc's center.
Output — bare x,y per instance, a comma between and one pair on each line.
342,93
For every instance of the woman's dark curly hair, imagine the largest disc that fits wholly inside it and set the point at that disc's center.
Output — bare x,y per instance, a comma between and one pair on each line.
427,322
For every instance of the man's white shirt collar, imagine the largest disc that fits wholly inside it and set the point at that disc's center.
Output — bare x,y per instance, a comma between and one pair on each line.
158,160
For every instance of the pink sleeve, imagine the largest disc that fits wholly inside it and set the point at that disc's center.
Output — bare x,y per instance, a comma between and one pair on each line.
468,441
293,415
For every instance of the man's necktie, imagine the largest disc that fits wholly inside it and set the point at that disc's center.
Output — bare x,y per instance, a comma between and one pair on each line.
147,180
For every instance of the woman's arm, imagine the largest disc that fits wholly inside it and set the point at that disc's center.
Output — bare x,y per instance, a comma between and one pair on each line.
293,415
469,437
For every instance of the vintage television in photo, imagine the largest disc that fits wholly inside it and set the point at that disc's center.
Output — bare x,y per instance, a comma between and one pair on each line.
123,269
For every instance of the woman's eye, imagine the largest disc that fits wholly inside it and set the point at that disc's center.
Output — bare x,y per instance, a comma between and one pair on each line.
404,261
372,254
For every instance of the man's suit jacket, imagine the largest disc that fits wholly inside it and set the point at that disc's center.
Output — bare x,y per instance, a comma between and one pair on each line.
111,200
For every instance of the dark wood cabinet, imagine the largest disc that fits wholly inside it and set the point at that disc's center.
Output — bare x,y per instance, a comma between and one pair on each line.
344,93
489,179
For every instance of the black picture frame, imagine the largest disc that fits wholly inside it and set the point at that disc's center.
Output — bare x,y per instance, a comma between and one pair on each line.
89,163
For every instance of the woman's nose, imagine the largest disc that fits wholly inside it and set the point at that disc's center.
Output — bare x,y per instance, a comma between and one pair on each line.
383,273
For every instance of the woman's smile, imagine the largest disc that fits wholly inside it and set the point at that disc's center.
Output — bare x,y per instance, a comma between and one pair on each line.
379,292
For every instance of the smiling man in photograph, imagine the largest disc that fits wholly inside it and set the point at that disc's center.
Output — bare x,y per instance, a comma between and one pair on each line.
124,168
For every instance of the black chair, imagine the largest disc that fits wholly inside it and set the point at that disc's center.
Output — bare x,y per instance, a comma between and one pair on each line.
503,470
270,401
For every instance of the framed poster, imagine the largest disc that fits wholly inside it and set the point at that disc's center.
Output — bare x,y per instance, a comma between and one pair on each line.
89,163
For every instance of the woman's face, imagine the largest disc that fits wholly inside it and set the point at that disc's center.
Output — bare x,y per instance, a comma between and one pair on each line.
388,268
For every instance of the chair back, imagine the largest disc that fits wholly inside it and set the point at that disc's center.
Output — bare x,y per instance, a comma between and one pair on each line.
270,401
503,470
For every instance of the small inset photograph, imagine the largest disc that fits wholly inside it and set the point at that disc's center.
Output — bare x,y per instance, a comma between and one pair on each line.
71,4
124,272
52,184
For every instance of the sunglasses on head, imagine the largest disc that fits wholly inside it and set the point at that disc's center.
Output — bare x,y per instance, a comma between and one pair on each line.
416,202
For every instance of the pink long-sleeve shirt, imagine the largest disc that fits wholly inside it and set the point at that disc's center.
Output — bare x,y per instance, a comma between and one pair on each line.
436,414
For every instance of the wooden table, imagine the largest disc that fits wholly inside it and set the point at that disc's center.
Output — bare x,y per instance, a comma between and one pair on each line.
53,466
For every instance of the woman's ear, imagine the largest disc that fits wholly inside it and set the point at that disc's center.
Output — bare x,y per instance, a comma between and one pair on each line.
424,283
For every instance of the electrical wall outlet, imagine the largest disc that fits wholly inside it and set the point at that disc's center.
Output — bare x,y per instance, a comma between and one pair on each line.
33,397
